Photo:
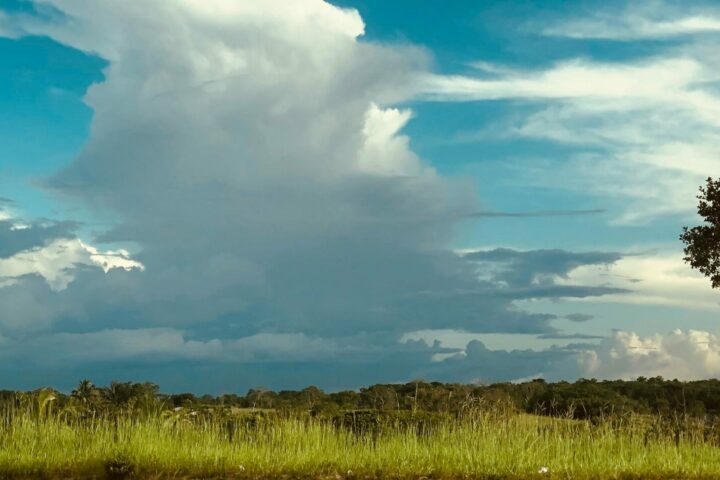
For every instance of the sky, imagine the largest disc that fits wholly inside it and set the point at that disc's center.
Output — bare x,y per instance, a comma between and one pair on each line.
219,195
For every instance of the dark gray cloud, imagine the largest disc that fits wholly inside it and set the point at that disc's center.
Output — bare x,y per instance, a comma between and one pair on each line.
114,315
578,317
14,239
523,268
551,290
569,336
359,363
539,213
480,364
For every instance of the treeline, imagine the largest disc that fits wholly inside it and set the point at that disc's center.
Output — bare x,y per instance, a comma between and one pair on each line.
581,399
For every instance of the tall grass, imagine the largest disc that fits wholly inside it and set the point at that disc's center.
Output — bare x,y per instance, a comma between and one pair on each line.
483,446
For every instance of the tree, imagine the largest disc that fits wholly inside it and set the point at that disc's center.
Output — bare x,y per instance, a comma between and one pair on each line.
131,395
183,400
380,397
311,396
85,391
261,397
702,243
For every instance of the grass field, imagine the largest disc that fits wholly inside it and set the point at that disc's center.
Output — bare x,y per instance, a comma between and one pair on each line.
186,445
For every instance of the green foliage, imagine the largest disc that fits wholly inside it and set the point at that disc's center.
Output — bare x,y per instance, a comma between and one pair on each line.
374,422
583,399
702,243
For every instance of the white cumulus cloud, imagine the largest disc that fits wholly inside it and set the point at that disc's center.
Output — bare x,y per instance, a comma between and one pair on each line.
686,355
57,261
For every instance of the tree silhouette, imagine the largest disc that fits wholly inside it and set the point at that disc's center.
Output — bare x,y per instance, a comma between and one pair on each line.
129,395
702,243
85,392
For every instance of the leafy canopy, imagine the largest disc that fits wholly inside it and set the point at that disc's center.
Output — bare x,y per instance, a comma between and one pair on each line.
702,243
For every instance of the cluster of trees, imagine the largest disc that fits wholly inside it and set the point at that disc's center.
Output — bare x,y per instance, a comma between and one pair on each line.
87,399
581,399
585,398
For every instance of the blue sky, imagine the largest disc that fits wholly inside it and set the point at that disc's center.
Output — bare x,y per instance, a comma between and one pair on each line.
219,195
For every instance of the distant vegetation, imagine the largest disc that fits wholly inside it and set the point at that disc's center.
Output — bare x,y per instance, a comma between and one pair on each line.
648,428
583,399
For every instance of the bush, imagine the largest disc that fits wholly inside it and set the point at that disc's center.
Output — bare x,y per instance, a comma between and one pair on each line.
119,468
363,422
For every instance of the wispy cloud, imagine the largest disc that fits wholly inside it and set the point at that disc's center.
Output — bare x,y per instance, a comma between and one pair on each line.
7,29
629,84
640,20
539,213
644,130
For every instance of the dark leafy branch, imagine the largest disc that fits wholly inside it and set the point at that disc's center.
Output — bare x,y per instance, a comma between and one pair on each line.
702,243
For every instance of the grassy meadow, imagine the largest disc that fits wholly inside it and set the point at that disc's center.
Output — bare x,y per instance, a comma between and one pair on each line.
187,443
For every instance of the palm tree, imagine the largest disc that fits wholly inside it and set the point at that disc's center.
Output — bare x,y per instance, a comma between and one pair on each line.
131,396
118,394
85,391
